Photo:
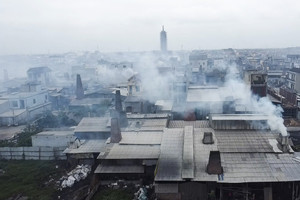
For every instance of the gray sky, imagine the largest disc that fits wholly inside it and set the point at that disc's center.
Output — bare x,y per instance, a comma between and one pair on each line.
56,26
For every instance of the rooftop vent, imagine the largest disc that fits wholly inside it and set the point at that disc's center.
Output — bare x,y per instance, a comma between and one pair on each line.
214,163
208,138
138,124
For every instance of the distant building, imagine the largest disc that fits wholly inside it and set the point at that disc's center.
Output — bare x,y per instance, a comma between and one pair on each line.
163,40
39,75
293,79
24,106
257,81
294,60
198,60
134,86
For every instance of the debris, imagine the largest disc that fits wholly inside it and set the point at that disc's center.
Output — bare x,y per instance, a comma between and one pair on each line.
77,174
141,194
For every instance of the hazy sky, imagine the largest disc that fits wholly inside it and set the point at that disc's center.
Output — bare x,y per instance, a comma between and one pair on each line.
55,26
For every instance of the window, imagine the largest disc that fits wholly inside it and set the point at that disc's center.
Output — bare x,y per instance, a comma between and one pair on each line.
292,86
34,101
14,103
130,89
137,88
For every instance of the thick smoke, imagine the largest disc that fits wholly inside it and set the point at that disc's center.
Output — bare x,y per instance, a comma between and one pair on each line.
240,91
155,85
110,75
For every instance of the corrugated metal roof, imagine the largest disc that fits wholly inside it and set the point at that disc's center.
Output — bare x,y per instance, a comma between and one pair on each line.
93,124
170,159
148,116
241,117
119,151
284,166
182,124
188,153
244,141
55,133
141,138
146,124
119,169
88,146
89,101
201,155
246,156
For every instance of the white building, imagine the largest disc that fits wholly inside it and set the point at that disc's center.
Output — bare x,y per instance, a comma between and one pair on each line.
24,106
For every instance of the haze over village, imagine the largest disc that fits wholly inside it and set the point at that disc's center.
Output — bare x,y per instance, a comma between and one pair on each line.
167,100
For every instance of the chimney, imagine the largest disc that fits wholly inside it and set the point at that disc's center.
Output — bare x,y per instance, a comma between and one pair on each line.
79,88
214,163
115,131
208,138
283,143
118,103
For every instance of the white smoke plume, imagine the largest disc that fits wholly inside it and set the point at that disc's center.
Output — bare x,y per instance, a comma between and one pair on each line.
239,90
155,85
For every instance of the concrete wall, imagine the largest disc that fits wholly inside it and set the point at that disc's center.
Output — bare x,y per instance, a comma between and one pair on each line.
4,106
29,101
52,140
92,135
19,119
238,124
32,153
38,110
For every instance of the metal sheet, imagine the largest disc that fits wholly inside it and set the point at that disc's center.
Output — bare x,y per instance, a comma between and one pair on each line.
195,124
188,153
141,138
119,151
170,160
93,124
88,146
119,169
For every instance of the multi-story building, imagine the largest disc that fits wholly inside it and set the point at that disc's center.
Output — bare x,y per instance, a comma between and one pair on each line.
293,79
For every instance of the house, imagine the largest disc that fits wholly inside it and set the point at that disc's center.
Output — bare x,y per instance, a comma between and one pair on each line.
293,79
24,106
39,75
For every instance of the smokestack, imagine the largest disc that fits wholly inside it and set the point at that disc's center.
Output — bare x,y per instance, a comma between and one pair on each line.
118,112
118,103
283,143
79,88
115,131
214,163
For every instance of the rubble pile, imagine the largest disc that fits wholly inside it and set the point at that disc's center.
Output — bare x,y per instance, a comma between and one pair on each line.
141,194
144,192
77,174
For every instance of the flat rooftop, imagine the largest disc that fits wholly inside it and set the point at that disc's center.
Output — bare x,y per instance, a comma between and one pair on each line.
93,124
239,117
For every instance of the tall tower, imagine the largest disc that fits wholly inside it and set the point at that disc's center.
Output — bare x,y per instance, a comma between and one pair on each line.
163,40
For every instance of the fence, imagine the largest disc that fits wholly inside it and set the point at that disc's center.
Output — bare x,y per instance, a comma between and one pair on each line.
32,153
